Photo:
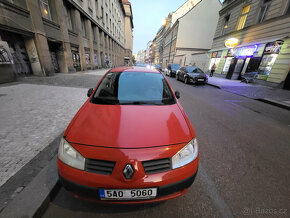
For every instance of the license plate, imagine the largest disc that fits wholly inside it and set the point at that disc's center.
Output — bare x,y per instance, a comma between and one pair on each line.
200,79
127,194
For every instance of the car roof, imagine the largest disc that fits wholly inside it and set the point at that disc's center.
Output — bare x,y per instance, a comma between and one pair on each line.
134,69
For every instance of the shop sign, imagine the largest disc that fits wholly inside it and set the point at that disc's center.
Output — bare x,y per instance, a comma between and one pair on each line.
273,47
231,42
247,51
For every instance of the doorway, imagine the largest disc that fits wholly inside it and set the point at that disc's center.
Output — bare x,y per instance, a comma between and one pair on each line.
54,48
287,82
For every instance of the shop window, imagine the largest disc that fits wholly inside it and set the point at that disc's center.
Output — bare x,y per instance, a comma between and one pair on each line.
243,18
215,59
226,24
264,10
269,57
44,6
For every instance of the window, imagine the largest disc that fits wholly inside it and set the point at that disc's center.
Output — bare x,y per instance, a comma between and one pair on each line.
226,24
69,18
243,18
44,6
102,13
288,10
90,3
83,27
107,21
264,10
97,8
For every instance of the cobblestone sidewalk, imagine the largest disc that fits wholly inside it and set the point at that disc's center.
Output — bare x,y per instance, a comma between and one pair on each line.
31,117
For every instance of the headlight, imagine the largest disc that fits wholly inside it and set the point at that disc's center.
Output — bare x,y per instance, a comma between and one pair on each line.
68,155
186,155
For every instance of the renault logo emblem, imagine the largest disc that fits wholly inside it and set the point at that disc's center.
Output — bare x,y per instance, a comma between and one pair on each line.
128,171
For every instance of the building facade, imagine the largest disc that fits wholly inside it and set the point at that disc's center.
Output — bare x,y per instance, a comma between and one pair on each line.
188,41
49,36
253,36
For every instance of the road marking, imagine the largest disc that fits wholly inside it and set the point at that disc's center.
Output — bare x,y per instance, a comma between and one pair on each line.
211,190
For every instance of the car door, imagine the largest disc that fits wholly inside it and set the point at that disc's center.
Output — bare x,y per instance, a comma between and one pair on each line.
182,73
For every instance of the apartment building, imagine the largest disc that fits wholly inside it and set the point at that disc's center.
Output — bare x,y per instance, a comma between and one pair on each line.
253,36
188,41
43,37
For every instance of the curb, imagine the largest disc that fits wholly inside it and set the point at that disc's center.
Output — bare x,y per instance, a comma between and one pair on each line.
35,198
265,100
273,102
216,86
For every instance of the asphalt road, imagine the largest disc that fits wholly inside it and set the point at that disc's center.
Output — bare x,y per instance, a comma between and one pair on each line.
244,163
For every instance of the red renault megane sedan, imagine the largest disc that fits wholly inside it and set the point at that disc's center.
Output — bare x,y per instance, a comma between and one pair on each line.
131,141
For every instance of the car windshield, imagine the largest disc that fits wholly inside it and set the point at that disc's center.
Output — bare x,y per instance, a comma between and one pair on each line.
175,66
196,71
191,69
141,65
133,88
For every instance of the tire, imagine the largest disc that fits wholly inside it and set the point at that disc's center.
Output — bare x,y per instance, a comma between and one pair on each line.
176,76
186,80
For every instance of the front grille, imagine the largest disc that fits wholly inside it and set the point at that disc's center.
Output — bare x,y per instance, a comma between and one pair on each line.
99,166
156,166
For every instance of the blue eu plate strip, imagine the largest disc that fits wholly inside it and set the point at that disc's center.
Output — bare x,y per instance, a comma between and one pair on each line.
102,193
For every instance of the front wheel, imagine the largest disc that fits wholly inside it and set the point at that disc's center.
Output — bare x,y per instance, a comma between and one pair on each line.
176,76
186,80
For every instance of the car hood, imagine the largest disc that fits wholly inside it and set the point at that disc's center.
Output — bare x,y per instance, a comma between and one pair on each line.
129,126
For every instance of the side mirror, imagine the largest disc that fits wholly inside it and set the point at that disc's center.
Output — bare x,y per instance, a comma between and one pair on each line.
177,94
90,92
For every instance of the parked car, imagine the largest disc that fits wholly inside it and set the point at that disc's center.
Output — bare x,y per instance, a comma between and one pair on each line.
191,74
158,67
171,69
131,141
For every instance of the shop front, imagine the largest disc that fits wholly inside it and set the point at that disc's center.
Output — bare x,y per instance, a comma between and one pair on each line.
256,58
215,59
271,52
245,59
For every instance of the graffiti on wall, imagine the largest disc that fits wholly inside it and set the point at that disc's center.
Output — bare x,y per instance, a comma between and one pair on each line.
5,55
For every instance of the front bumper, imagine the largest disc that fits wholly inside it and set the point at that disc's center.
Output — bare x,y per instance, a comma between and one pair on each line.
140,179
198,80
163,192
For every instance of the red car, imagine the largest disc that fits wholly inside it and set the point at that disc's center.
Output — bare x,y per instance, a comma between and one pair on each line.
131,141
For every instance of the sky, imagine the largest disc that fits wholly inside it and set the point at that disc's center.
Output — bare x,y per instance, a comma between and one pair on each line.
147,19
